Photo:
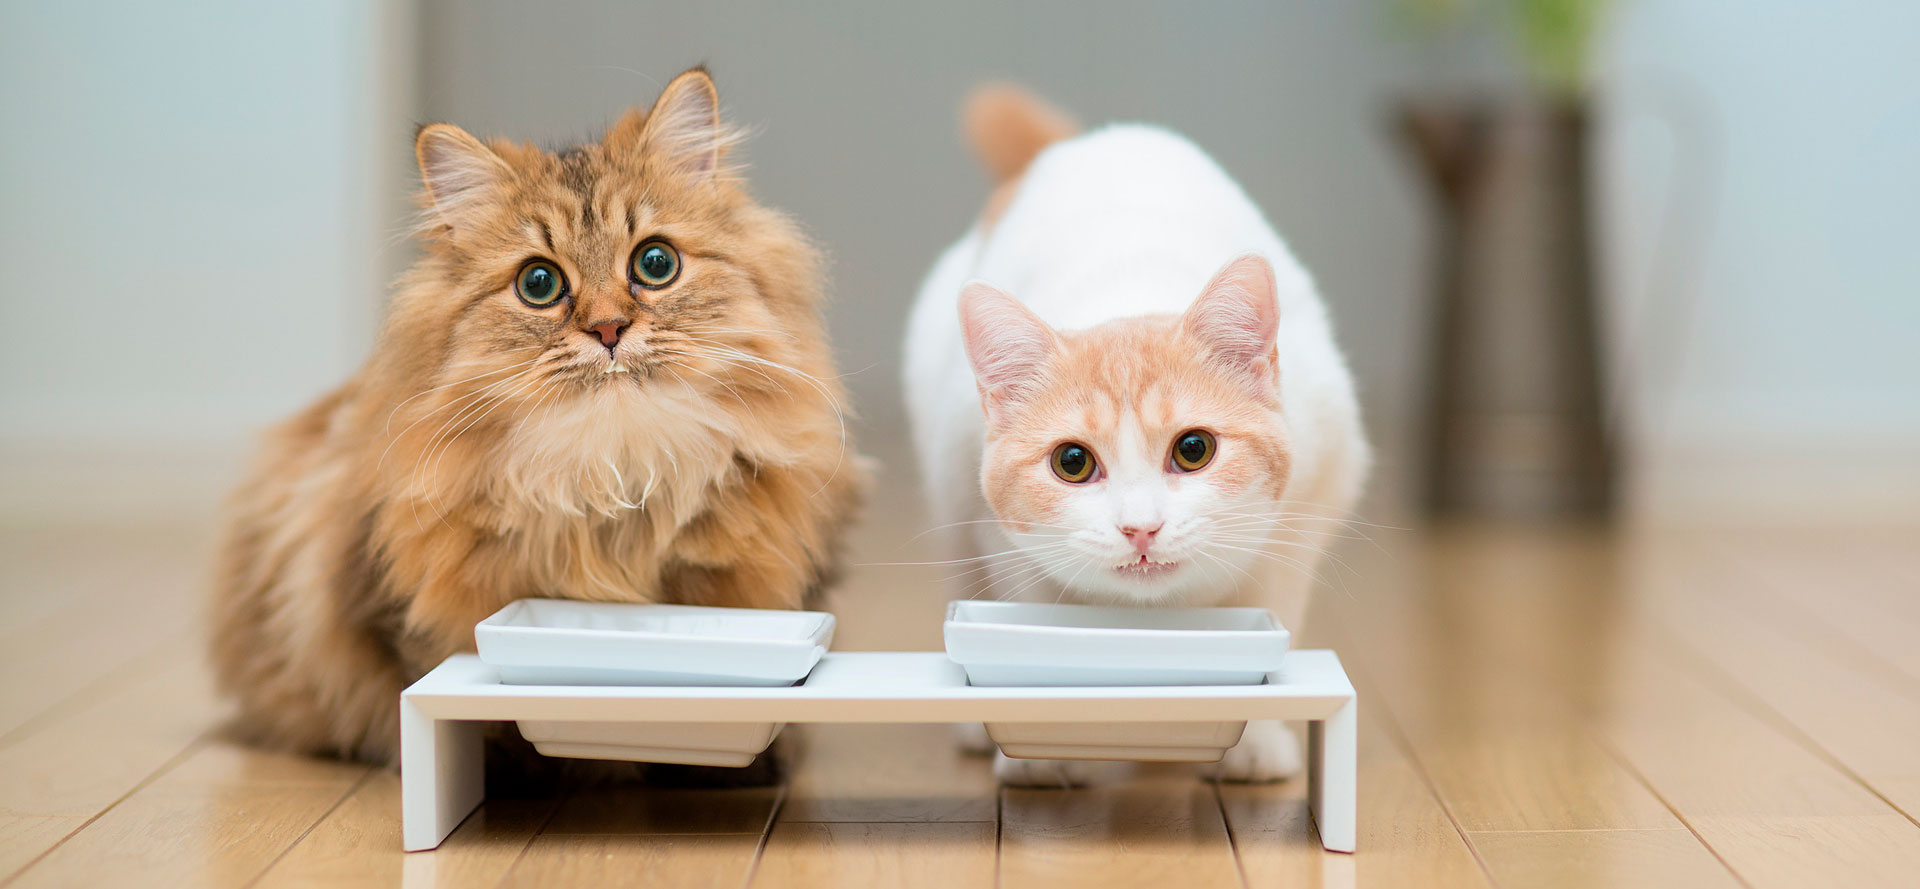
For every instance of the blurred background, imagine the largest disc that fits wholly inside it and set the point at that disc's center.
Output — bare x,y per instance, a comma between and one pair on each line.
1630,288
202,203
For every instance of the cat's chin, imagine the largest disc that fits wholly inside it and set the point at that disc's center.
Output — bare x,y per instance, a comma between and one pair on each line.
1153,584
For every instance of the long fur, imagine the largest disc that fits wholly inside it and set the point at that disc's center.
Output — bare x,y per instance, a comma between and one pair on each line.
490,450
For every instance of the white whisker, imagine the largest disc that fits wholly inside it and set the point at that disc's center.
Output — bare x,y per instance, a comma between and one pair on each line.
480,376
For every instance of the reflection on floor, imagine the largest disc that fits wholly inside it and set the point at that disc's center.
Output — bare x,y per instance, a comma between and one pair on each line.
1541,707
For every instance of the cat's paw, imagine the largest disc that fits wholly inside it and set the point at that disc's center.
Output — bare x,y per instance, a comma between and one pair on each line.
1064,773
1267,752
973,739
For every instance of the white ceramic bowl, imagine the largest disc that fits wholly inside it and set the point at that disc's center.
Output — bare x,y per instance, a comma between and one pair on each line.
563,642
1025,643
1137,741
1031,644
733,744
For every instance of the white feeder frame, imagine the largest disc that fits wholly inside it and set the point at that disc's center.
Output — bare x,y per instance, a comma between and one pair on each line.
443,716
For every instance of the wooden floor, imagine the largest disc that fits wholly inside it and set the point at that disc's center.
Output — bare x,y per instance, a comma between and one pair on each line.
1540,707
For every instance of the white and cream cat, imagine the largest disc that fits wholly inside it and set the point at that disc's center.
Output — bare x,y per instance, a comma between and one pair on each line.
1125,390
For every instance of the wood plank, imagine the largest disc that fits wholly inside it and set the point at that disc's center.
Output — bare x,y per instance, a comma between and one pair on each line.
1643,859
1537,778
1405,838
924,855
657,861
1681,721
1686,729
1485,672
1835,850
1709,756
25,837
52,568
1150,832
1877,564
1864,721
1746,678
83,654
1855,605
221,817
358,844
887,773
659,810
82,762
69,619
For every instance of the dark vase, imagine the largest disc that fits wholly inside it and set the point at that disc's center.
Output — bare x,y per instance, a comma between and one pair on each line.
1515,428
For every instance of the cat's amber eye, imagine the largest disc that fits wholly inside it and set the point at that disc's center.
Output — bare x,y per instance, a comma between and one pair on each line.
1072,462
1193,450
540,284
655,264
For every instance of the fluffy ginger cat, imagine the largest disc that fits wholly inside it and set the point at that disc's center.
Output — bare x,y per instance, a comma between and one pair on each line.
1124,390
605,379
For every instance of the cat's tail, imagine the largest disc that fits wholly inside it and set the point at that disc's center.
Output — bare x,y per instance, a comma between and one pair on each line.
1008,126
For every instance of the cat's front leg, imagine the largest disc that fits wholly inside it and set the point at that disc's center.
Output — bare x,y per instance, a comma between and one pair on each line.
1268,751
1061,773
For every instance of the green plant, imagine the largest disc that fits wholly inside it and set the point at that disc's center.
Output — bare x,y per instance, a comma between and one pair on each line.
1553,38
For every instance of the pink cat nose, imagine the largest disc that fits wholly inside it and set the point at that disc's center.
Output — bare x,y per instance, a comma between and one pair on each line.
1142,538
609,332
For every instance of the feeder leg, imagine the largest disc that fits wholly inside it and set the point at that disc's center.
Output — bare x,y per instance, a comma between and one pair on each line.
442,775
1333,787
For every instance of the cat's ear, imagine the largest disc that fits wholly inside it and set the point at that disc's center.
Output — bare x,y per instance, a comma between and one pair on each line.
457,169
1007,344
684,127
1237,319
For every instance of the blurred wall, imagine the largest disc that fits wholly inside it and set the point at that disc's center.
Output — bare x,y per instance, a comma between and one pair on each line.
198,199
854,107
201,201
1760,176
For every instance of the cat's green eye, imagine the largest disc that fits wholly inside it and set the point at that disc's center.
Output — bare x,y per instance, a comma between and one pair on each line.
540,284
1072,462
655,264
1193,450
